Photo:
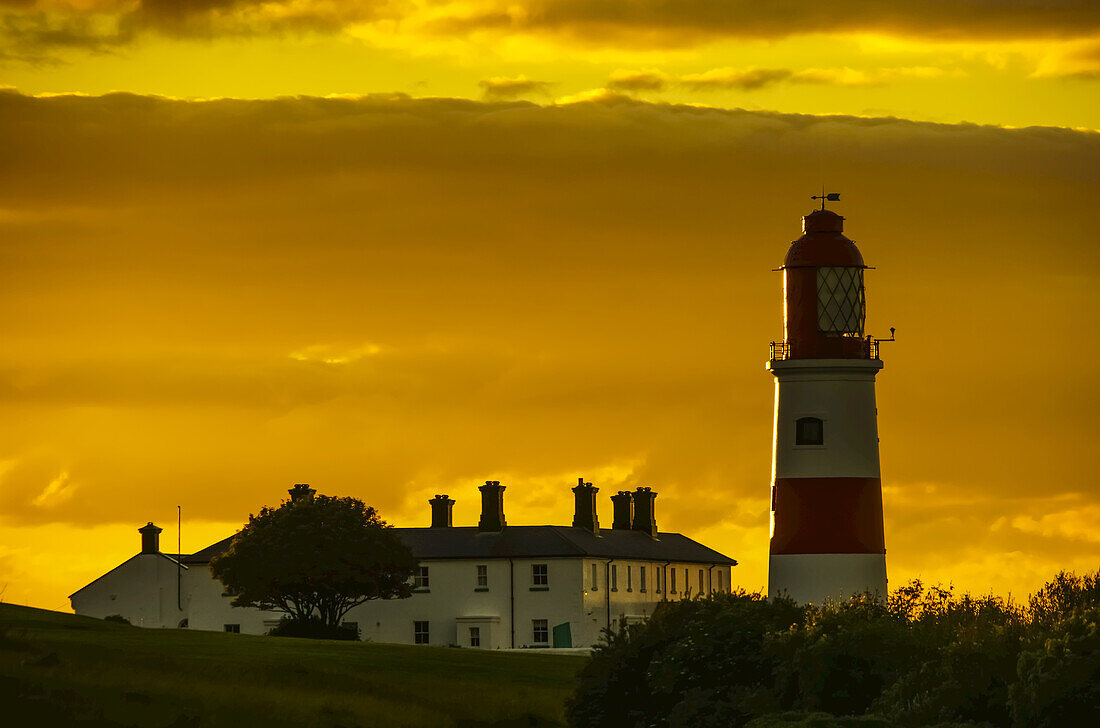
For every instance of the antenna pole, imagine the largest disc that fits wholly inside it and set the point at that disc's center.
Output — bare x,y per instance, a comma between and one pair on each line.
179,557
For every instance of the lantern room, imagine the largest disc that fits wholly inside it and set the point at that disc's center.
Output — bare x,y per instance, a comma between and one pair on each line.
824,300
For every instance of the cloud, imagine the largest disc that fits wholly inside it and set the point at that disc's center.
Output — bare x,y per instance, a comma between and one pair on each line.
683,22
59,490
43,30
628,80
749,79
744,78
1079,61
500,88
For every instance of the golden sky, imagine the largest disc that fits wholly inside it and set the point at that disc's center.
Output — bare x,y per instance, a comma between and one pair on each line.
398,248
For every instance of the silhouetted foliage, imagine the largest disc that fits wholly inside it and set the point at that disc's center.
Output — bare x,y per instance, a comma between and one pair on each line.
315,558
925,657
116,618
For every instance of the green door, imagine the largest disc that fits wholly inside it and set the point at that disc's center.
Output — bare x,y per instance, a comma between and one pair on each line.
562,636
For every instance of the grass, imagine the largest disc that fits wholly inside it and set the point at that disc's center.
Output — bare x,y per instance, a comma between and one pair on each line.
61,669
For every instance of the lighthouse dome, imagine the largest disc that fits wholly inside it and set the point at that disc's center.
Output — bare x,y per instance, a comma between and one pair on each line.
823,243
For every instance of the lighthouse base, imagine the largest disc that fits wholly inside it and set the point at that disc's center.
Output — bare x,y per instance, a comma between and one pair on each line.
815,578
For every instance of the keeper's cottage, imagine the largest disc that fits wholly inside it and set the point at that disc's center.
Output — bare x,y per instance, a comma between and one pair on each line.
489,586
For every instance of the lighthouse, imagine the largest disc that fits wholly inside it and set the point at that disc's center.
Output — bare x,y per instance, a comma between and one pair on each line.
827,538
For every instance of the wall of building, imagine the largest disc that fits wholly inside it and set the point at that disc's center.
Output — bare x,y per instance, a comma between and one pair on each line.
142,589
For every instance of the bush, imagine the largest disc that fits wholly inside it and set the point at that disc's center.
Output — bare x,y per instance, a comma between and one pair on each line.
1059,680
313,629
924,658
117,618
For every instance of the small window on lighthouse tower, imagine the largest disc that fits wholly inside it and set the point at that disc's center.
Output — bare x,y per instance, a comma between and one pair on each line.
808,431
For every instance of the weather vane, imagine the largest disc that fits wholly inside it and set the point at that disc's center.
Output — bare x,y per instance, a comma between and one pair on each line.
831,197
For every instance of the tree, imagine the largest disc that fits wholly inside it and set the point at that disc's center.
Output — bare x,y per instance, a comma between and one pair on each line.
315,557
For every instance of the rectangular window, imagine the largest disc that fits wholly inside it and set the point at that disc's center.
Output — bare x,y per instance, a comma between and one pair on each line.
614,577
420,579
641,577
808,431
658,579
539,575
629,581
540,631
420,633
595,580
482,575
234,628
687,583
672,582
721,581
702,582
475,636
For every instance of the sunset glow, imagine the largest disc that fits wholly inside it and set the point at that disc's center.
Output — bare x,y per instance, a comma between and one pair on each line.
396,248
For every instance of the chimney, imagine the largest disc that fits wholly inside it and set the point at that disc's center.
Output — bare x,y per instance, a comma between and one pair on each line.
301,490
644,519
585,514
441,511
492,507
623,509
150,538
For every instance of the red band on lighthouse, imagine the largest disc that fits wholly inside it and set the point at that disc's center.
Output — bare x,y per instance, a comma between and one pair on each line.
828,516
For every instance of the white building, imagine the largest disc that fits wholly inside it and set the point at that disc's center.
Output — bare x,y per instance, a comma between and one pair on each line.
489,586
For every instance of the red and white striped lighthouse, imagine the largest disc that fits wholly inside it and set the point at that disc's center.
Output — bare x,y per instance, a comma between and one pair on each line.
827,537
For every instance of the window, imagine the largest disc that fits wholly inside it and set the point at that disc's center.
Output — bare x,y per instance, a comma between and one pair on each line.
475,636
595,582
420,580
540,631
538,575
420,633
658,579
614,577
234,628
672,587
809,431
687,584
629,585
482,575
641,577
840,302
702,582
721,581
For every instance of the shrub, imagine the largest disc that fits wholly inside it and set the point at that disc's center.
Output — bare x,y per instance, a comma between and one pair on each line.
1059,680
117,618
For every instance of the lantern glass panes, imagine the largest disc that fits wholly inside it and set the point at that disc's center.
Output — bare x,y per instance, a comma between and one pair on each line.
840,302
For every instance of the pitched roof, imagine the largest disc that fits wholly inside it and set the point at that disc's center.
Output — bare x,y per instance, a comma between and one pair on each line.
466,542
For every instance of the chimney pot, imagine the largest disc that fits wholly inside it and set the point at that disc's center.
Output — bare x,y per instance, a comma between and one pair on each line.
301,490
623,507
644,518
441,511
584,515
150,538
492,507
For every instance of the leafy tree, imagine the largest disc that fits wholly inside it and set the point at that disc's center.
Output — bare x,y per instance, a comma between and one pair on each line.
315,558
1059,680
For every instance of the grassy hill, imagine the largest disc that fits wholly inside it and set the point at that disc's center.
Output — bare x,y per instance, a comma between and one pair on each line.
58,669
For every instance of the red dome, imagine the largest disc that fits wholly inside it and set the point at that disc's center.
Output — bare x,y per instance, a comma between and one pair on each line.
822,243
